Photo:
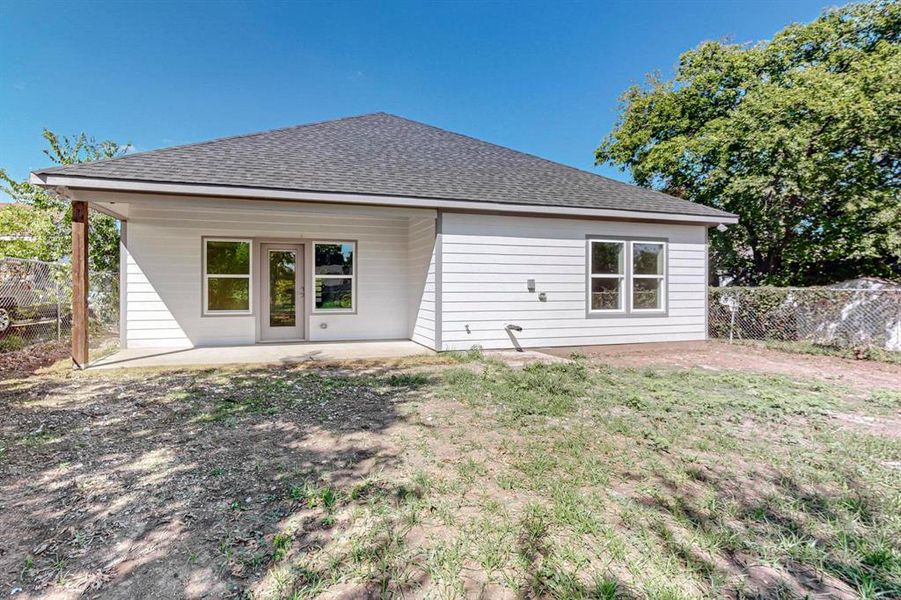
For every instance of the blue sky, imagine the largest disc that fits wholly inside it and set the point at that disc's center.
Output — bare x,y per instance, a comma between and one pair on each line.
539,77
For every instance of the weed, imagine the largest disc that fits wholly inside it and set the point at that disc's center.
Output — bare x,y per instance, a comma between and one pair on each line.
474,354
469,469
328,497
412,380
281,544
606,588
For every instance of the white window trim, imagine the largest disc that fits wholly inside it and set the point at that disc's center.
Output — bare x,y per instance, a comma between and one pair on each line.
622,277
352,277
662,278
248,277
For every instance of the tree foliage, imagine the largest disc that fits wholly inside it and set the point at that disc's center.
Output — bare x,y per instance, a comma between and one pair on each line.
25,232
800,136
39,223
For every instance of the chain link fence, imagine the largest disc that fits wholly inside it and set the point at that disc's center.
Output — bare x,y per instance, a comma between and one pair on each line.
36,303
844,318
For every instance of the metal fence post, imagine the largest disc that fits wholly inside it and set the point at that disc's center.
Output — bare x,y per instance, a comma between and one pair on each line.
59,317
733,308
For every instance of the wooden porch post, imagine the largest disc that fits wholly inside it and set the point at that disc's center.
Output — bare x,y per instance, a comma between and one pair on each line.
80,284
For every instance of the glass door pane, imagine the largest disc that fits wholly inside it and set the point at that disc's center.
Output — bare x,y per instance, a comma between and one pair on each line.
282,293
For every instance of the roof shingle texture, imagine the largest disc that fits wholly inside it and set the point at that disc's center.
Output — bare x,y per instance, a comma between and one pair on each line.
381,154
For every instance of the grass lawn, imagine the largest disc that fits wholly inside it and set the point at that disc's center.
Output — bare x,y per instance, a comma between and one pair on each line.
447,478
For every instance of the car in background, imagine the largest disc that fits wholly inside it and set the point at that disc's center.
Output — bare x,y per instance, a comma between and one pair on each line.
31,301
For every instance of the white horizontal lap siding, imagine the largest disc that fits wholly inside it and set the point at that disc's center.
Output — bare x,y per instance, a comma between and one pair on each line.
163,270
148,322
487,261
421,252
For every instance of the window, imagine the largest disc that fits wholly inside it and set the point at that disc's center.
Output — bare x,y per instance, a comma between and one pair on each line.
608,275
618,268
226,276
334,276
647,276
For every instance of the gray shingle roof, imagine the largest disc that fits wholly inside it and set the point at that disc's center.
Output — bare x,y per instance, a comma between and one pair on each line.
381,154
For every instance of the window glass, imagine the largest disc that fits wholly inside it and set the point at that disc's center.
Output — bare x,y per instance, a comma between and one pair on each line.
227,258
228,293
646,293
607,258
334,259
334,293
333,276
282,276
227,275
626,277
647,258
605,293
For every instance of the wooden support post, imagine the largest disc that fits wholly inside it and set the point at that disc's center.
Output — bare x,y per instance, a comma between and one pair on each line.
80,284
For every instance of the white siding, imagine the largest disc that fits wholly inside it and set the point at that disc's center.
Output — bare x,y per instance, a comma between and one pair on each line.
163,268
487,260
421,251
402,290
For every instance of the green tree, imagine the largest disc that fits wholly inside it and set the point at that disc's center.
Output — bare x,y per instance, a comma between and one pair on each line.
800,136
25,232
47,220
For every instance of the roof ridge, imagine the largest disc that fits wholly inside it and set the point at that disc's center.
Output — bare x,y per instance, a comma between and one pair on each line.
218,139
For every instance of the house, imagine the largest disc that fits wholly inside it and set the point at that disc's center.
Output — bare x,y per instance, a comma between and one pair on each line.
377,227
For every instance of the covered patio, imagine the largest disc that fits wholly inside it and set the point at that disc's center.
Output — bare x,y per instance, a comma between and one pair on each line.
167,314
260,354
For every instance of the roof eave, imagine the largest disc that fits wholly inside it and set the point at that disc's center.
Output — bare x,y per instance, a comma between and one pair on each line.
52,180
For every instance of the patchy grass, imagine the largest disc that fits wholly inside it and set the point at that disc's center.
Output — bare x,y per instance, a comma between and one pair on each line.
861,353
451,478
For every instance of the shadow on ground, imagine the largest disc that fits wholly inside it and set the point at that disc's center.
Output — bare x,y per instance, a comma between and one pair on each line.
561,480
175,483
776,536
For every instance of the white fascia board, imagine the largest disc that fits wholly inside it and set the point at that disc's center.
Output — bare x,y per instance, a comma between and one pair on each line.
51,181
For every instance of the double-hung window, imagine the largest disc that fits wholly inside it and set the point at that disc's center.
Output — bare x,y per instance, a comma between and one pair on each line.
334,276
607,273
648,273
626,276
227,265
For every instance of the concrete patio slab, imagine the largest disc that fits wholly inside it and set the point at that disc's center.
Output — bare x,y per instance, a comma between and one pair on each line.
260,354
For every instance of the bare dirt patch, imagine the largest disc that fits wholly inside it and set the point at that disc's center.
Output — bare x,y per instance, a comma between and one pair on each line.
172,485
862,374
20,363
882,425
